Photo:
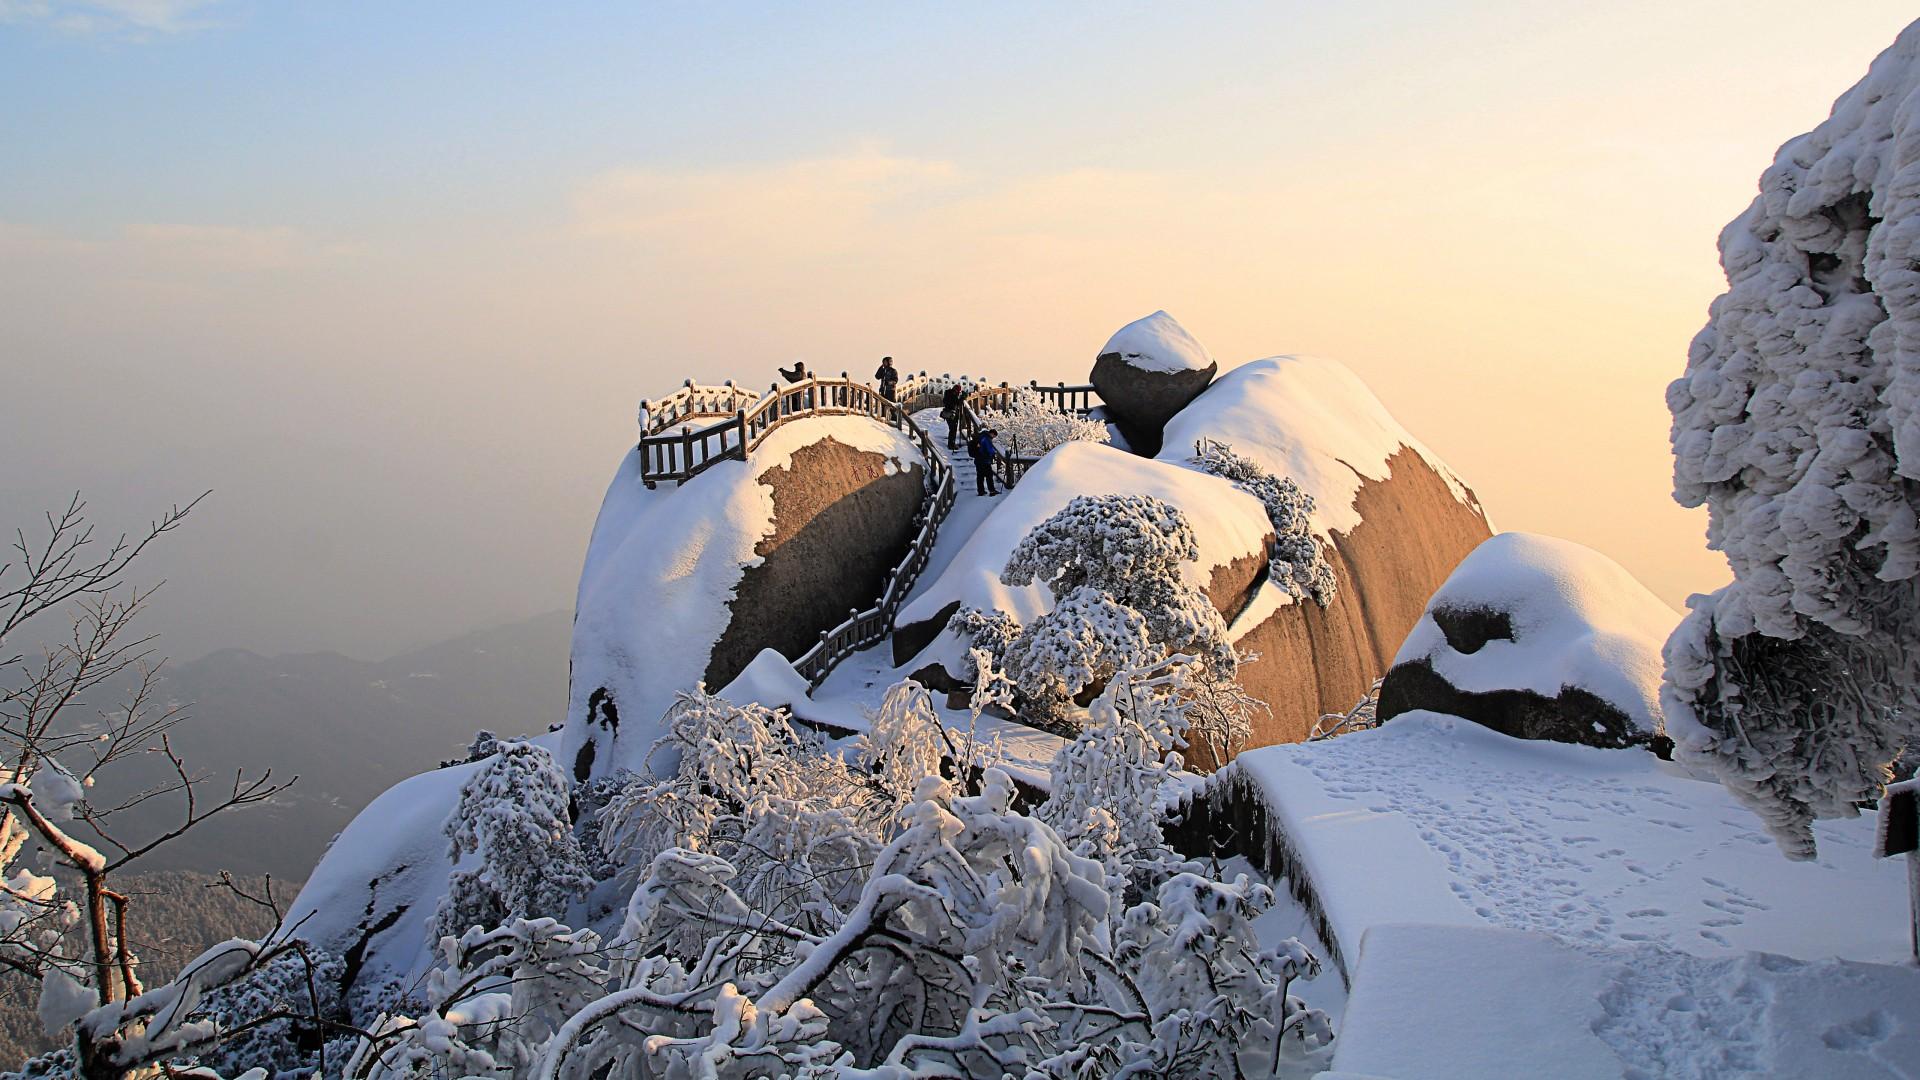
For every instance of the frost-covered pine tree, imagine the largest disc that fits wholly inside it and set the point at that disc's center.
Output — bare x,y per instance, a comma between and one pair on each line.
1797,424
1113,564
514,819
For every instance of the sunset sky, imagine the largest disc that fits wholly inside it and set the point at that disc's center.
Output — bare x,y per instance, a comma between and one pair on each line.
391,278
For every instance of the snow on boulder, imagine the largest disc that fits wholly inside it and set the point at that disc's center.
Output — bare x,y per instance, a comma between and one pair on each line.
1230,526
686,585
1393,519
1538,638
1148,371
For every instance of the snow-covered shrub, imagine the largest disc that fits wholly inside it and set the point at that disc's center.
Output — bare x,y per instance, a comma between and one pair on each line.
514,817
985,628
1360,717
1105,785
1221,1003
1114,563
796,825
1030,425
1298,561
492,1007
302,988
1797,424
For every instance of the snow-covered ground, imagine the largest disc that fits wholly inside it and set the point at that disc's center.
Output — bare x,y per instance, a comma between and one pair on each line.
1445,1002
1434,819
1520,908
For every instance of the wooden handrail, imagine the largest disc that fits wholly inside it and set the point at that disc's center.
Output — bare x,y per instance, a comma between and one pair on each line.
1077,400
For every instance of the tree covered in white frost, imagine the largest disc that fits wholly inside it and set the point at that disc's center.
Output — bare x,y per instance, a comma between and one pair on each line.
1797,424
1298,562
1113,564
514,819
879,912
1030,425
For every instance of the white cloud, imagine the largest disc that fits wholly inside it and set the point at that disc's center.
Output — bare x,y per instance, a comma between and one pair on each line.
136,17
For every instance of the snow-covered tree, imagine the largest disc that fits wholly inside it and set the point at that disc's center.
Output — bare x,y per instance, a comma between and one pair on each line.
77,712
1298,561
514,818
1797,424
1030,425
1113,564
917,931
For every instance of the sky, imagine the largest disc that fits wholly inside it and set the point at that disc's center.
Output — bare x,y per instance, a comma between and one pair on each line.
390,279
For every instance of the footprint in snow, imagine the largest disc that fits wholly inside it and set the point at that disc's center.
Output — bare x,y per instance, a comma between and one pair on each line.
1859,1036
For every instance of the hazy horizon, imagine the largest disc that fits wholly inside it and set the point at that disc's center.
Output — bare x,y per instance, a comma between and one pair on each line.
393,295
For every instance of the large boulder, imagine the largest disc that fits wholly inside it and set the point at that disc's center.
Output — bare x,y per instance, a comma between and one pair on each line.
1146,373
686,585
1538,638
1391,520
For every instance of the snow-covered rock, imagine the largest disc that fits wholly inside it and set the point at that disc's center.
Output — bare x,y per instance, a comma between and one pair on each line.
1539,638
1230,525
1149,370
686,585
1394,521
374,892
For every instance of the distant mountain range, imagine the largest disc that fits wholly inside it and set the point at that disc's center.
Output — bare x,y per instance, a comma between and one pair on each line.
349,729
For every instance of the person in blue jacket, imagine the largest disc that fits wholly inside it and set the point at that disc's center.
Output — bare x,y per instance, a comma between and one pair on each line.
982,451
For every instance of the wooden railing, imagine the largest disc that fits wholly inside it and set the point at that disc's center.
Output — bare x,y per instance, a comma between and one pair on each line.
681,455
981,404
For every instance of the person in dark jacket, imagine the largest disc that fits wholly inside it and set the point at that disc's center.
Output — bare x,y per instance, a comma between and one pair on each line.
982,450
888,376
951,404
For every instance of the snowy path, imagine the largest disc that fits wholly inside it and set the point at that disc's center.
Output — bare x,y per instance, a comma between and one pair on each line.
969,508
1431,819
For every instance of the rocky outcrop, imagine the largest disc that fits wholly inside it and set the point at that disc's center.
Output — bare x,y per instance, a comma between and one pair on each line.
1413,529
1146,373
1538,638
687,584
842,518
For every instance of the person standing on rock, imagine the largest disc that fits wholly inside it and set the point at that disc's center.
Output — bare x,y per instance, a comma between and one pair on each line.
982,451
889,377
951,404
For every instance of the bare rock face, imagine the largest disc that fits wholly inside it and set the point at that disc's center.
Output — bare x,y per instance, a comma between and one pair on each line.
1538,638
841,520
1147,372
1413,530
